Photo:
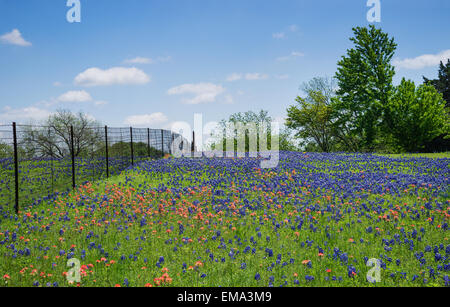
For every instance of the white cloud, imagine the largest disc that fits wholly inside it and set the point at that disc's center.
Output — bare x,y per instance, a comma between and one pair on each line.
203,92
234,77
278,35
294,54
14,38
56,83
256,76
422,61
139,60
148,120
75,96
23,115
116,75
71,97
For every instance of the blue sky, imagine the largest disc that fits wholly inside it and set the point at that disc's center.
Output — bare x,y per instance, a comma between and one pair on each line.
151,63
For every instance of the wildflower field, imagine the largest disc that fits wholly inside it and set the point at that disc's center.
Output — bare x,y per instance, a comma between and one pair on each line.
315,220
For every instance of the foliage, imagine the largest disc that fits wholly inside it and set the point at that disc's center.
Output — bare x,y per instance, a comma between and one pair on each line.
442,83
364,78
311,118
55,139
416,115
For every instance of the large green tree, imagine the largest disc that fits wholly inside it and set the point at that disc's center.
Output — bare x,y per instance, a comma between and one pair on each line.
416,116
364,80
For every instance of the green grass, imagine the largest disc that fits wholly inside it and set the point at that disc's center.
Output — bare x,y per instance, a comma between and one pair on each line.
439,155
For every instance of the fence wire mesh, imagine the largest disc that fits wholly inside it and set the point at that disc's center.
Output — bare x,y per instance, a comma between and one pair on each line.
51,160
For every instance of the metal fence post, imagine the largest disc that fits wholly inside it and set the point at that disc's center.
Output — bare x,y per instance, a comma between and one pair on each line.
224,143
106,152
16,169
73,156
193,142
162,143
148,142
131,144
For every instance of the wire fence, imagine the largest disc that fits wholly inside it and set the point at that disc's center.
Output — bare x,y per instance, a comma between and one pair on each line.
38,163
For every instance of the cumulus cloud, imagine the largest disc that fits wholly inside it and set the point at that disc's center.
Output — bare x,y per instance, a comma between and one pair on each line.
148,120
422,61
23,115
116,75
203,92
75,96
14,38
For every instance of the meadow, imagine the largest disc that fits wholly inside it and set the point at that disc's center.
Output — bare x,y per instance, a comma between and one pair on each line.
315,220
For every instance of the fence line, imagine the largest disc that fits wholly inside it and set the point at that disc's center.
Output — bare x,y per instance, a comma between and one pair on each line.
41,162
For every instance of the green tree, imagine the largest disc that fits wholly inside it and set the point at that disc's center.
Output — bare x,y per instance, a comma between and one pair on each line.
416,115
442,83
311,119
54,139
364,79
